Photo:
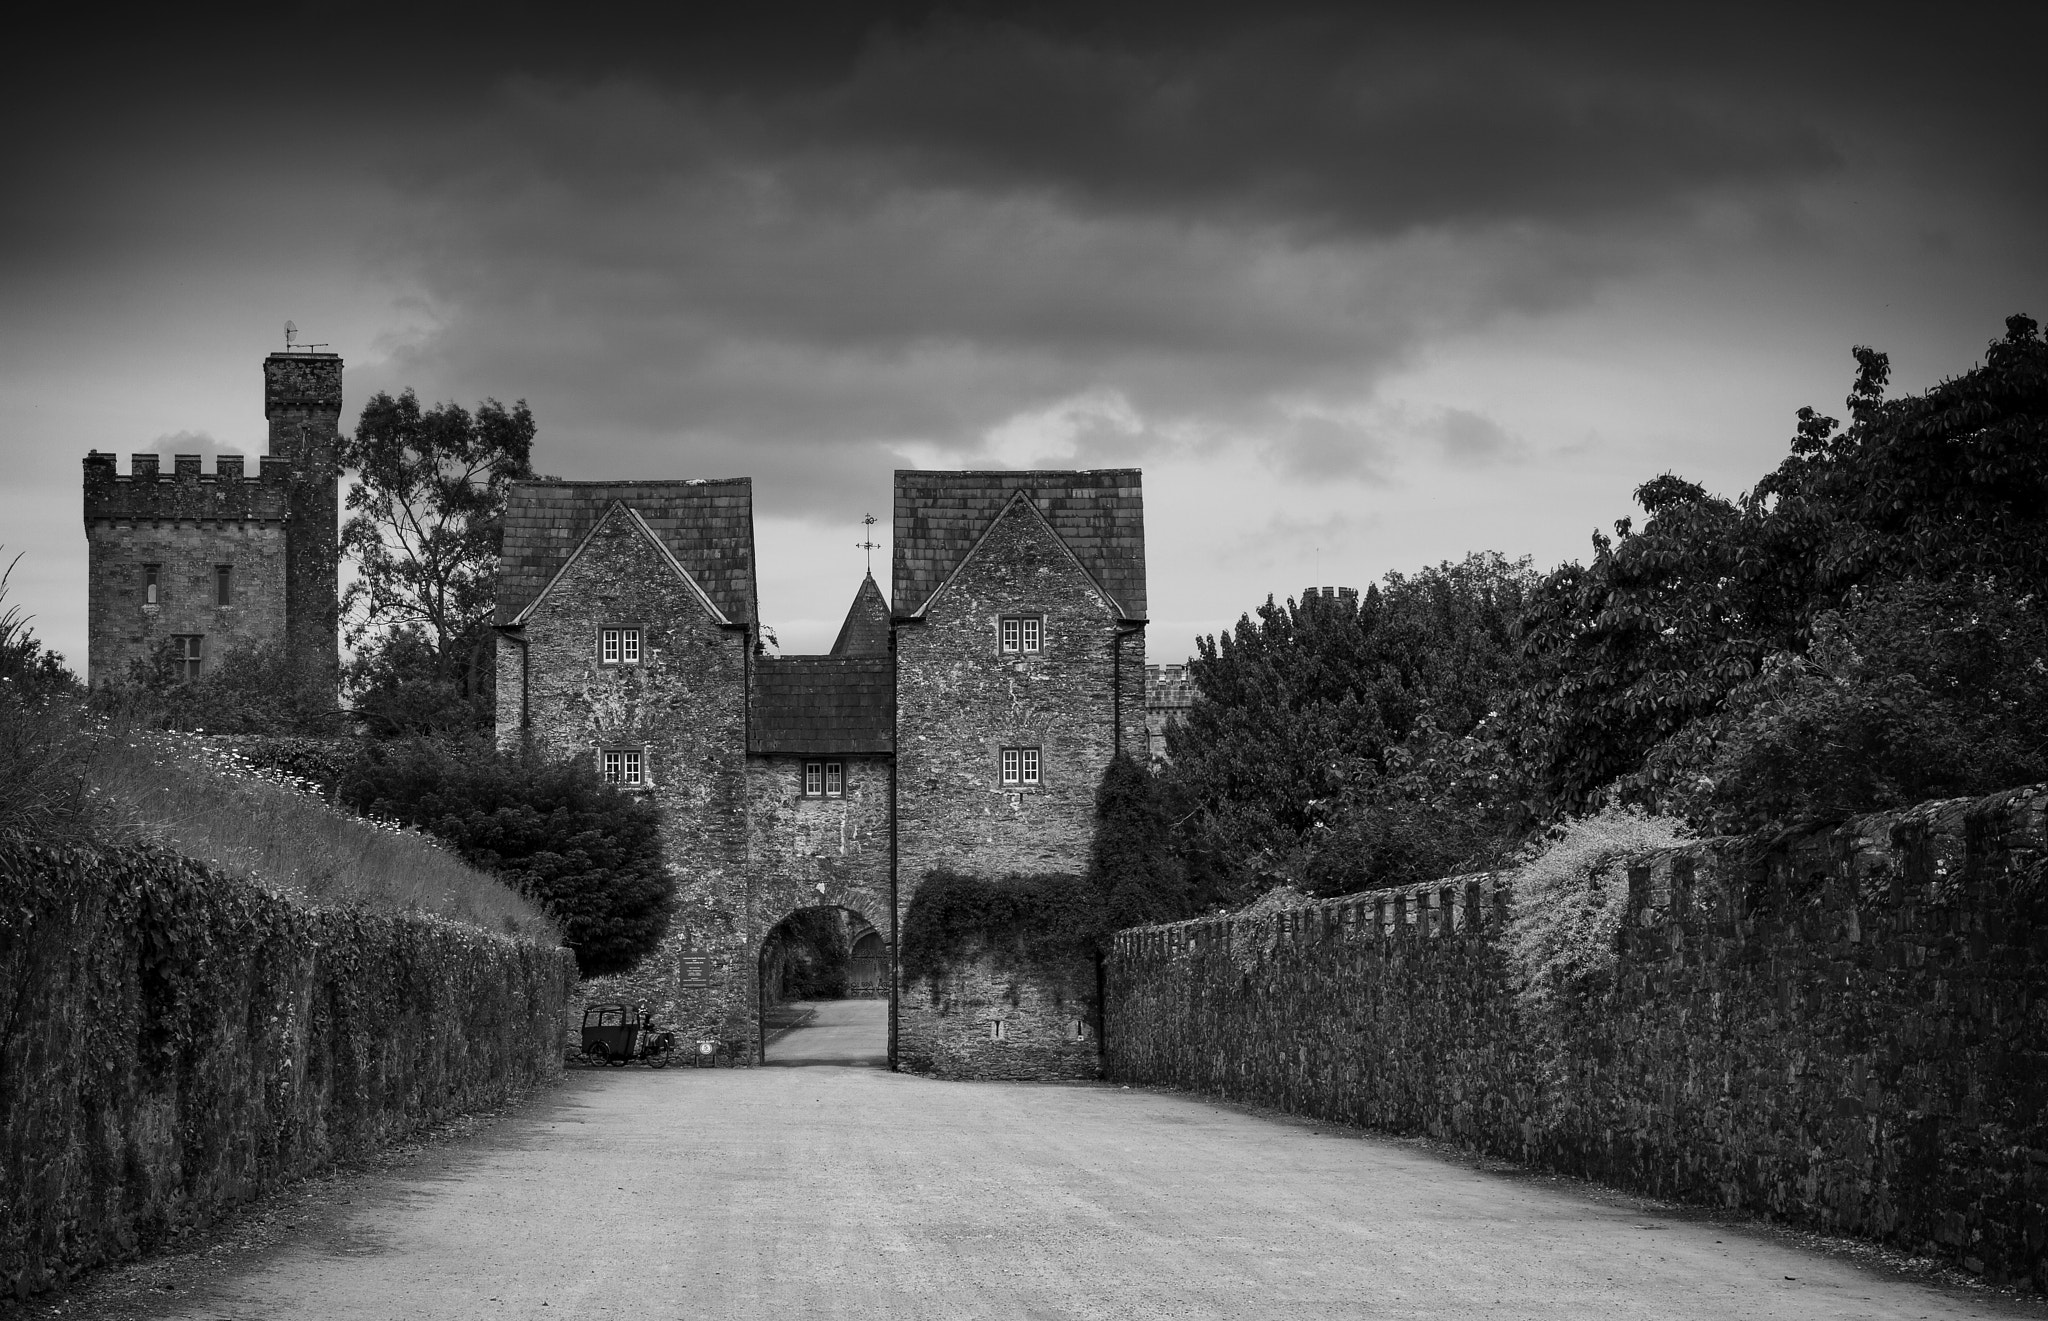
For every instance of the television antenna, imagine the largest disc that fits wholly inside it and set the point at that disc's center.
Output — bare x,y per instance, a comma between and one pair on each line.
868,543
291,344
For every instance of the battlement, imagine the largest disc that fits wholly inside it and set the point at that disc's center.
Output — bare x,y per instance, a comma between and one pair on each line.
186,493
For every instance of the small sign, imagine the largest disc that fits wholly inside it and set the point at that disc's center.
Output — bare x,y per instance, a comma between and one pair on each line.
699,971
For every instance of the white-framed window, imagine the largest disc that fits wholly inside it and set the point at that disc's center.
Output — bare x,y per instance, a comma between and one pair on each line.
1020,766
1022,634
618,646
824,779
835,779
626,766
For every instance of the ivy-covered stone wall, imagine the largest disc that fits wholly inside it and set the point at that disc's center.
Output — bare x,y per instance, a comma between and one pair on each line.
173,1042
1848,1033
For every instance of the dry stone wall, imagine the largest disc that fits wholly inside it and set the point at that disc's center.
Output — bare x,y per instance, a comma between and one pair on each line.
1850,1033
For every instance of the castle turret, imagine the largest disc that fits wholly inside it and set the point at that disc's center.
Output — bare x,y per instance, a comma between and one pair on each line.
302,400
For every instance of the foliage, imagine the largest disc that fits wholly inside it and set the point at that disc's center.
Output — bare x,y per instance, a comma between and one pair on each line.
42,759
809,954
206,799
1255,928
590,854
1913,691
1644,647
396,688
1021,921
250,689
136,984
1132,865
1570,895
1338,743
426,521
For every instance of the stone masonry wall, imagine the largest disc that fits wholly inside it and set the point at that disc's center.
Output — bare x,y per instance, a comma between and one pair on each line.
960,700
302,403
186,522
684,705
1850,1034
1048,1023
819,852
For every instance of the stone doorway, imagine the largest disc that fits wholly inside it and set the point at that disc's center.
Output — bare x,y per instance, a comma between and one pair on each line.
824,990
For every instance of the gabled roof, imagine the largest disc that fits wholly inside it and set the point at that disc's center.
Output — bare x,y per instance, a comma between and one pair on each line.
866,630
817,705
939,516
619,509
708,526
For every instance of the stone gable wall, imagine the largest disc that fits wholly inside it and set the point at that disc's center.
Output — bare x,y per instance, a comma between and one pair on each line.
1851,1034
959,700
685,704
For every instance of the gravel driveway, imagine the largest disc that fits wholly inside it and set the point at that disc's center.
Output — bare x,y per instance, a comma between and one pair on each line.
850,1191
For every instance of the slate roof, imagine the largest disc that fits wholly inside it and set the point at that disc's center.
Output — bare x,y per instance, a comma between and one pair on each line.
1100,515
866,630
816,705
707,525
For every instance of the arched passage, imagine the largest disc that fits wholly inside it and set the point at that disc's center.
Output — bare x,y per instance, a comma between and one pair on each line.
824,990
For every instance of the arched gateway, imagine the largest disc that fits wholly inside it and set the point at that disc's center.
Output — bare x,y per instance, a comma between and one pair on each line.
822,999
961,724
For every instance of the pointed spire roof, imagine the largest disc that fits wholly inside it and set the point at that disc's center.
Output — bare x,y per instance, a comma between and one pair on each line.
866,630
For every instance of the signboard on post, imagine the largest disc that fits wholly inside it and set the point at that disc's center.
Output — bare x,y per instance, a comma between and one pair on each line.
700,971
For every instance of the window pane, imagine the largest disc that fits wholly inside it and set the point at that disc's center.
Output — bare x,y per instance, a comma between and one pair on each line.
1009,635
632,768
610,653
1031,634
1031,765
611,767
814,781
833,779
629,646
1009,765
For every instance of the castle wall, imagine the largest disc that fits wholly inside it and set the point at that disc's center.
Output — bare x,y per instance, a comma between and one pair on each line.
1848,1034
960,700
684,706
813,851
187,523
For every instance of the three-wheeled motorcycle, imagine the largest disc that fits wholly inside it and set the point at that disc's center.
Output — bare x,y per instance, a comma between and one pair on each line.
618,1034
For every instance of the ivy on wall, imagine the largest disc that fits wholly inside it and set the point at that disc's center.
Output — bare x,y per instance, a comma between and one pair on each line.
1019,922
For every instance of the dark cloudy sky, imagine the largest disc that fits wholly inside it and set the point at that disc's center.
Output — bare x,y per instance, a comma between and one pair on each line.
1359,291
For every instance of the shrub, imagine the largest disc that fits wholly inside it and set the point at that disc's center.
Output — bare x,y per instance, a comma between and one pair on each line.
588,853
1035,922
1570,896
249,689
1132,866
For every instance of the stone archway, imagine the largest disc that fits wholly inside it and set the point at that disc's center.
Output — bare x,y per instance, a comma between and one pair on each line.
823,989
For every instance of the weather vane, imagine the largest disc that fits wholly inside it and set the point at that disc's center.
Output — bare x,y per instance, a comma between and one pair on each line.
868,543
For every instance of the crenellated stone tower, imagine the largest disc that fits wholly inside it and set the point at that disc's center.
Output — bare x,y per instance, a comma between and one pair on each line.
201,563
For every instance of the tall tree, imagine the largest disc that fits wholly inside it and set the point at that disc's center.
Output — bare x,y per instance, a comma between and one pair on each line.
1342,742
1634,657
1133,864
426,523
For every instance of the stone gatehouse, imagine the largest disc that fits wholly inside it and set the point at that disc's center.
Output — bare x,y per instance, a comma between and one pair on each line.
962,724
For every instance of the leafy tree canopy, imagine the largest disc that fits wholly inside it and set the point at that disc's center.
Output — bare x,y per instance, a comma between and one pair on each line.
1133,865
426,522
1344,742
589,853
1645,646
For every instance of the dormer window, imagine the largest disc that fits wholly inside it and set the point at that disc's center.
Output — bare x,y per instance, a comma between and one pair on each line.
1023,634
618,646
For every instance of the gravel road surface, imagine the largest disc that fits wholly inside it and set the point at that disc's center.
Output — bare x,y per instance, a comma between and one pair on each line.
853,1192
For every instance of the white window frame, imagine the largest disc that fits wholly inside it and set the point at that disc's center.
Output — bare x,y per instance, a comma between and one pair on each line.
625,767
1010,633
1034,634
618,645
1020,635
814,778
1009,764
1030,767
608,646
1019,767
835,779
